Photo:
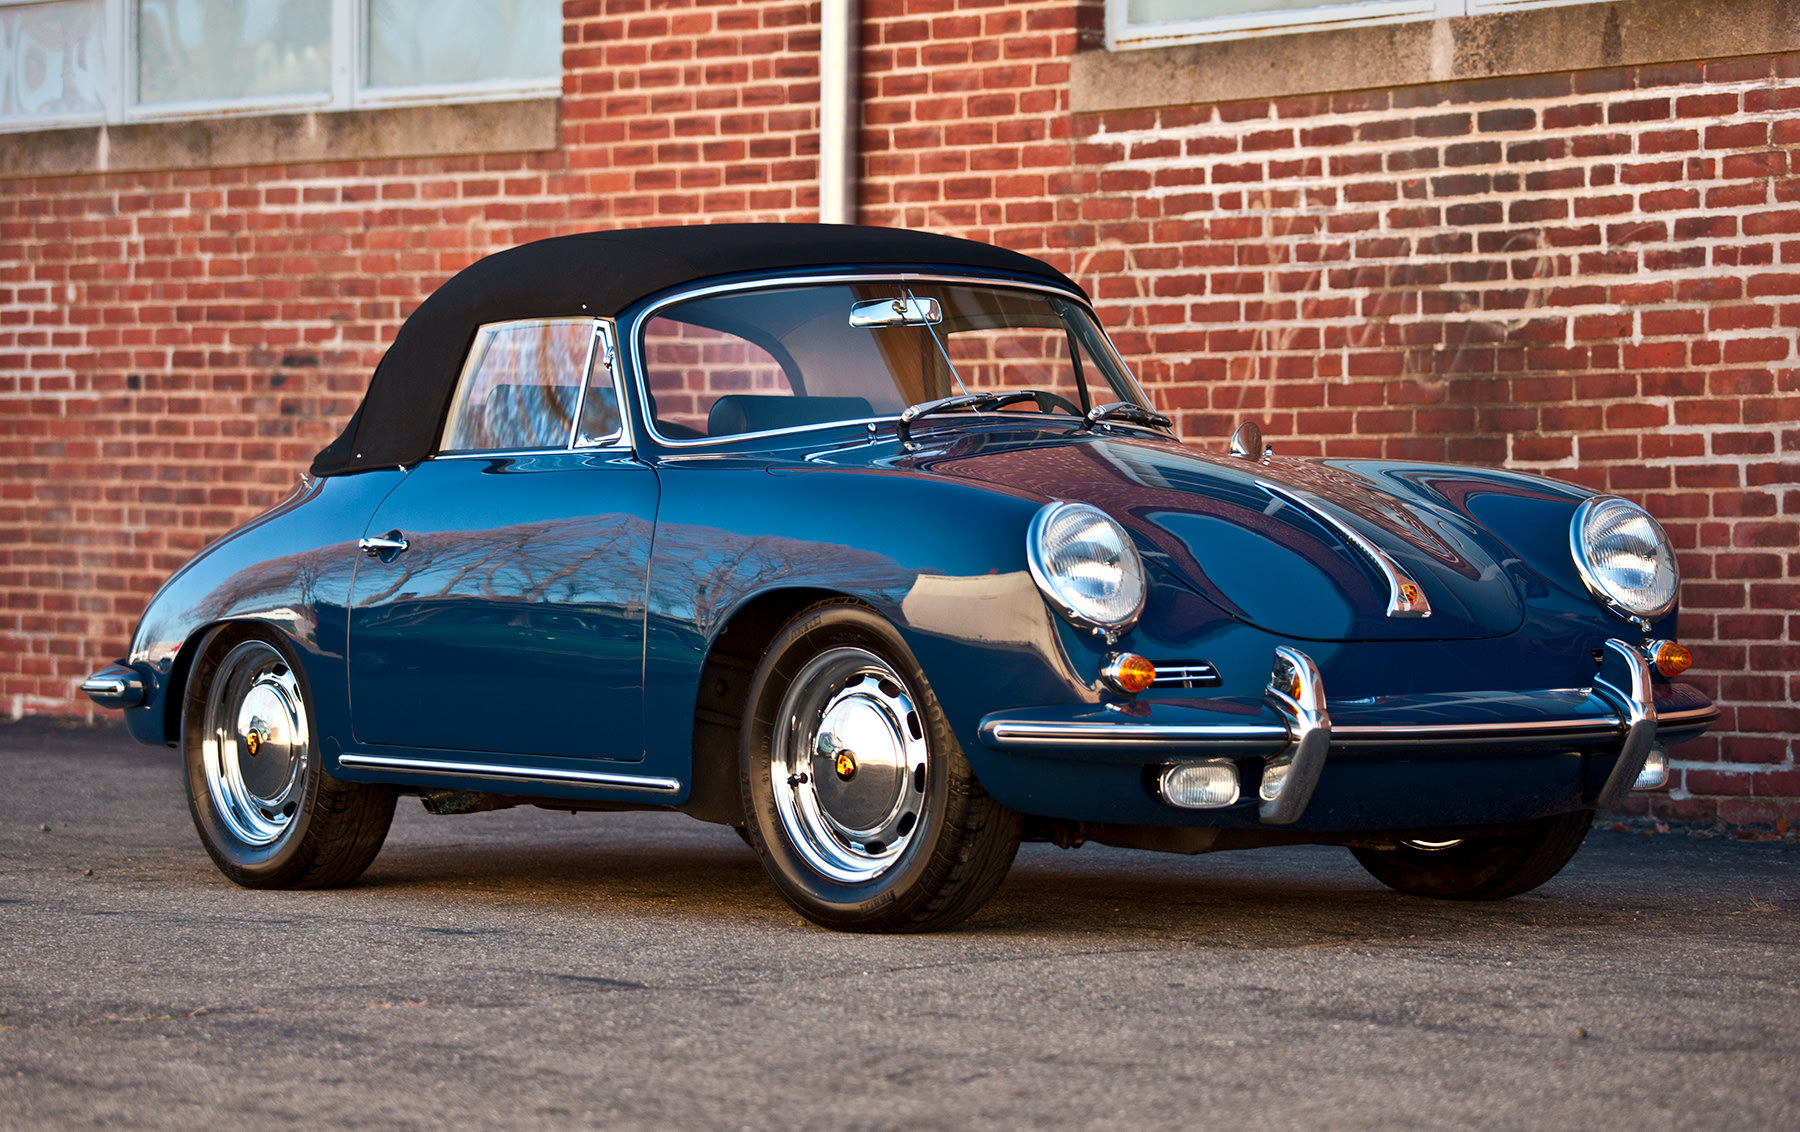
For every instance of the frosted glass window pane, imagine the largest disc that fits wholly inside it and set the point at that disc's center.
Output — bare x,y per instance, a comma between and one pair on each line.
232,50
426,42
52,60
1169,11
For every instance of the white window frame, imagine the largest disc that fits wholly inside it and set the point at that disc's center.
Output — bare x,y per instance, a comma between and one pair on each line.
1327,15
349,62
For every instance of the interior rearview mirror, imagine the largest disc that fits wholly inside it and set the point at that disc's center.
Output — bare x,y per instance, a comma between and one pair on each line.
895,312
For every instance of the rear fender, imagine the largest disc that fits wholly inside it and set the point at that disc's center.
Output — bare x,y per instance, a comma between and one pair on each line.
290,570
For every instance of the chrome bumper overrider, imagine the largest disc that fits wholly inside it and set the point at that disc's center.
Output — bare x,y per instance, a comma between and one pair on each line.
1296,727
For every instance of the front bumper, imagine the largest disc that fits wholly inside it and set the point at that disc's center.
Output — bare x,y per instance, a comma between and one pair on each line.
1377,762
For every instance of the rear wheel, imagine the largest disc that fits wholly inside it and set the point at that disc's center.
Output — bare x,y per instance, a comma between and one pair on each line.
1480,868
268,814
858,798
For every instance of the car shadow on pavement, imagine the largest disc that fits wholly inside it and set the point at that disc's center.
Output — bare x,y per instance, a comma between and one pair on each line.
1271,899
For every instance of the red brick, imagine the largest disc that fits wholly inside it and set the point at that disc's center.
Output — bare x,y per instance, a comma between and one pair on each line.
1614,287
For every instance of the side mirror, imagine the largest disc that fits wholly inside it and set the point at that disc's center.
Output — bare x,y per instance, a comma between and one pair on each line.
1247,441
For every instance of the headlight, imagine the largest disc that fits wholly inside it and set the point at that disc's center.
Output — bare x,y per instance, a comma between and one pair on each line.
1085,564
1624,557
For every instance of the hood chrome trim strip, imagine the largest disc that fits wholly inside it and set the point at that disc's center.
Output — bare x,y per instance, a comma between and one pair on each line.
1406,598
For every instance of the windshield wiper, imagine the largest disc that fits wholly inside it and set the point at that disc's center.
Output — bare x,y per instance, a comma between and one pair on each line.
1125,411
976,401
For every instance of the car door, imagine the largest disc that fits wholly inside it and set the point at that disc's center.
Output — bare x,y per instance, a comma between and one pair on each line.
499,607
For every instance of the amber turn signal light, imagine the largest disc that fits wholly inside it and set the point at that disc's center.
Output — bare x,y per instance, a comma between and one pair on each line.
1670,658
1128,672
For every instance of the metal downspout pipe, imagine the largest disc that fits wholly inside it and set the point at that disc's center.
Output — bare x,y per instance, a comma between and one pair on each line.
840,109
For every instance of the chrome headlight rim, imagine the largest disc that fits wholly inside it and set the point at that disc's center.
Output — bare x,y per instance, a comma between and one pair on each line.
1590,576
1048,583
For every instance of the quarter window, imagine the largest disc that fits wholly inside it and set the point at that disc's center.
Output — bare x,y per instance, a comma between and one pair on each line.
521,388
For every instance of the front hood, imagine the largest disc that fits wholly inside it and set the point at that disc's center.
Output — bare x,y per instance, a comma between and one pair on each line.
1263,542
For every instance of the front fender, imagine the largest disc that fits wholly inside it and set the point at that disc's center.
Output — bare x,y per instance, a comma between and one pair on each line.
1526,519
941,560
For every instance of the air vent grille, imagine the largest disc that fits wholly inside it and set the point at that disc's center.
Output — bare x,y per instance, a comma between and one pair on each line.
1185,674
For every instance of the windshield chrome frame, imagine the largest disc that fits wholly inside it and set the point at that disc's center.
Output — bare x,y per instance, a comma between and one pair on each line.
632,339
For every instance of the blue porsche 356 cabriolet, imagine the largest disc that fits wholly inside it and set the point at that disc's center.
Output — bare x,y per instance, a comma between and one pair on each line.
866,543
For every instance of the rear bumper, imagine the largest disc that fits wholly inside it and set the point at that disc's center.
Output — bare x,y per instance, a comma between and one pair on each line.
118,685
1377,762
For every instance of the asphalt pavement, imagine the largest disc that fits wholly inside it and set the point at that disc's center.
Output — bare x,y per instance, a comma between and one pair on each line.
536,969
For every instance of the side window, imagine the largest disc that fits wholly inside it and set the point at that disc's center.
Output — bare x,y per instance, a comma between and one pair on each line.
520,386
700,379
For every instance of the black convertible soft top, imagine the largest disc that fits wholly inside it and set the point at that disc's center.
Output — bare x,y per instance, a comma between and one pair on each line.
600,274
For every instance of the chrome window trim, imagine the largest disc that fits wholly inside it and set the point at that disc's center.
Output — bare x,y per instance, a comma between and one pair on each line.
603,333
490,453
635,338
601,780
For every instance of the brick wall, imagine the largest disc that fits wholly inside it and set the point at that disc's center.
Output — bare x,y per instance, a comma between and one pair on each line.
1585,275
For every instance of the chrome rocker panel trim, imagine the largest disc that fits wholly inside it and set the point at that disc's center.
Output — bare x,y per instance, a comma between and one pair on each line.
548,776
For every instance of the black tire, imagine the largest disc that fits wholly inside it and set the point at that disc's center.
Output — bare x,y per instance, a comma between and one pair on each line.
1481,868
933,845
268,814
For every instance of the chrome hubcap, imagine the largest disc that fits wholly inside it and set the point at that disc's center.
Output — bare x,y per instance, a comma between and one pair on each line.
850,764
255,745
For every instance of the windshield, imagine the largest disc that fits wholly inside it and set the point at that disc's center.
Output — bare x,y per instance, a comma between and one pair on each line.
785,357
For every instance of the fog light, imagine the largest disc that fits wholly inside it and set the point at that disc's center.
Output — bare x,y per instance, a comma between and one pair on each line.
1128,672
1655,774
1670,658
1273,779
1199,786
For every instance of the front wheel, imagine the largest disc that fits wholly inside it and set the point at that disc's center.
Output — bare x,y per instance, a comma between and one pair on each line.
857,796
268,814
1480,868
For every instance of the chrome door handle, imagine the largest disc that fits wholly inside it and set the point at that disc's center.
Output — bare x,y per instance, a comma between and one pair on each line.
384,547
